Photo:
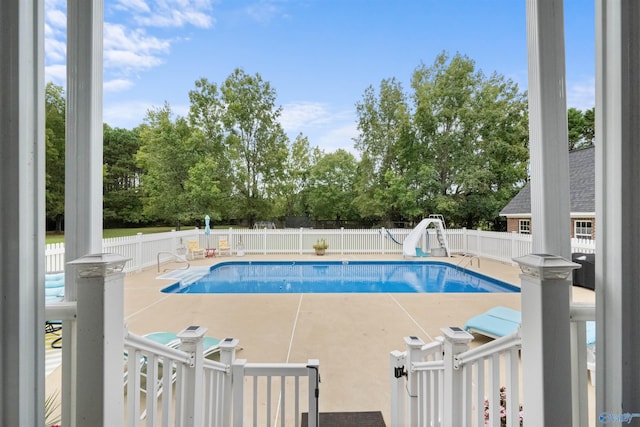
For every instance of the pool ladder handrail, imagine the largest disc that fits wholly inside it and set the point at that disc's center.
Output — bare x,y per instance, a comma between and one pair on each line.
176,257
467,261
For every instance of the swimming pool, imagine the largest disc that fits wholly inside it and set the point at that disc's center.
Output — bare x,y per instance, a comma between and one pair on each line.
339,277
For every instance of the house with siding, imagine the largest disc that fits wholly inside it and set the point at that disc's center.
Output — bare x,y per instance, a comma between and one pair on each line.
583,199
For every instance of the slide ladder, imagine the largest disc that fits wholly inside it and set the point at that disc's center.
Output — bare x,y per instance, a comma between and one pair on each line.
411,242
440,233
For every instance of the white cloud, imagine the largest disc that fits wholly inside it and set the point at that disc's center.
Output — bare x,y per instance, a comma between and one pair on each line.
56,73
117,85
55,49
581,94
133,5
262,11
131,114
126,114
57,18
339,137
169,13
327,129
297,115
176,18
129,50
305,115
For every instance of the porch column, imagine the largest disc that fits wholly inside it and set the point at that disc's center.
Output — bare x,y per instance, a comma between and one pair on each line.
22,198
100,339
545,301
83,160
548,139
546,361
617,207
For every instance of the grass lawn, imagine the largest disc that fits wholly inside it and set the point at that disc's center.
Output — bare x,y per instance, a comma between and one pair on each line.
115,232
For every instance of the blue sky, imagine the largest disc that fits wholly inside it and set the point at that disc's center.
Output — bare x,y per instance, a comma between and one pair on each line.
318,55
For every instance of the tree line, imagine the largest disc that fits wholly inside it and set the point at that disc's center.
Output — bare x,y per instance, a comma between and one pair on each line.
455,143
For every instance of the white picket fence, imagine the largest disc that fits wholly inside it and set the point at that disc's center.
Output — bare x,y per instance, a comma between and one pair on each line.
143,249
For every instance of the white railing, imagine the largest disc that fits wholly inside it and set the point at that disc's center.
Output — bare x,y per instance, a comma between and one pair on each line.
143,249
491,384
434,385
160,384
583,360
275,387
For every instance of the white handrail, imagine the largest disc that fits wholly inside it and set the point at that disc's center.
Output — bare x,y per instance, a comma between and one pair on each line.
499,345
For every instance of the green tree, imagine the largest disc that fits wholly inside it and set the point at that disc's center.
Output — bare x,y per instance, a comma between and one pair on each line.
331,185
384,122
55,116
122,195
256,143
576,124
472,135
589,129
581,128
292,197
211,178
167,152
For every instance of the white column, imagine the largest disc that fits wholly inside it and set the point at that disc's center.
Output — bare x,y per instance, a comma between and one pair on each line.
546,353
100,339
548,140
22,191
83,155
83,160
617,206
456,341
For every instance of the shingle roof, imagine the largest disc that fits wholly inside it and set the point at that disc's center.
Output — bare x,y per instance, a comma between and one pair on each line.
581,184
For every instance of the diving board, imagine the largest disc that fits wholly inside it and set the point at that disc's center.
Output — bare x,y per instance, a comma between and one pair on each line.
412,241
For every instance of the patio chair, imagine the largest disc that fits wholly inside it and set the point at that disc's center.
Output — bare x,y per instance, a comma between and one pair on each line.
53,287
495,323
223,246
194,249
210,346
500,321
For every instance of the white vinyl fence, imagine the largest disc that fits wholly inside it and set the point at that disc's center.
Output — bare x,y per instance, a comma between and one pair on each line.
144,250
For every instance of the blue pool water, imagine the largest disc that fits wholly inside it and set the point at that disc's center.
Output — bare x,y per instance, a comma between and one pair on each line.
339,276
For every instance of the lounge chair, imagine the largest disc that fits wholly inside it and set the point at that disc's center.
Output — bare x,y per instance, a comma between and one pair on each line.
54,287
495,323
500,321
194,249
223,246
210,346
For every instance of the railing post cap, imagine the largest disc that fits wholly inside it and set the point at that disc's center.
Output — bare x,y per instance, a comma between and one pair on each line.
546,266
413,342
229,343
192,333
456,335
99,265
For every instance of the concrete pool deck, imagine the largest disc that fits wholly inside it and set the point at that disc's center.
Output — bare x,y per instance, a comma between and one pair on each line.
351,334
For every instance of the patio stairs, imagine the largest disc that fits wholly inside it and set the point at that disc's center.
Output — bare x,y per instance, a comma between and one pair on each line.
186,277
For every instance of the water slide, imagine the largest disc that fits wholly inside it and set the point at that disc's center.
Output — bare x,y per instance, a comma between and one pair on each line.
413,240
